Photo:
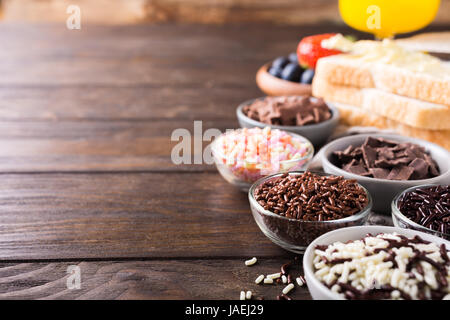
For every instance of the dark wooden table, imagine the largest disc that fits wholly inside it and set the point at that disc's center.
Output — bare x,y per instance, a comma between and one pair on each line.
86,176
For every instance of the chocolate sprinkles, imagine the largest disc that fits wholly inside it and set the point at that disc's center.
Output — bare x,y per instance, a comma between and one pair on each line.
428,207
311,197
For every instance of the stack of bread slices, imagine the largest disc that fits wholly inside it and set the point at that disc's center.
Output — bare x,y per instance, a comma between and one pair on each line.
388,87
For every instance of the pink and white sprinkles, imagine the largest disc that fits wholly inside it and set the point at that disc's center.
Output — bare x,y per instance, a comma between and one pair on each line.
253,153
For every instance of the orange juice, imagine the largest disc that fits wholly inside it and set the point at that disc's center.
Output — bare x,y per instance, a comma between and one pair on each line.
385,18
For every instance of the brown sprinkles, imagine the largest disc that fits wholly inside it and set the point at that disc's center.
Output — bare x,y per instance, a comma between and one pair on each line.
428,206
311,197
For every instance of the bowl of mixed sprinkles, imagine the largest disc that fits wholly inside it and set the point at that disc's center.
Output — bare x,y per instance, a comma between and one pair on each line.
245,155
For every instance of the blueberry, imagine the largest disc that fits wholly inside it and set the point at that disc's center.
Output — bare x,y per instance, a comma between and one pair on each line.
293,57
280,62
307,76
291,72
276,72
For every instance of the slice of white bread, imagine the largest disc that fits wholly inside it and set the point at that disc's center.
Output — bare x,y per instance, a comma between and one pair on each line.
355,116
323,88
429,42
346,69
412,112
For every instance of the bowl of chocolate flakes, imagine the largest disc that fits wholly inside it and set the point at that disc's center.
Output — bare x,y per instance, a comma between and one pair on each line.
387,164
307,116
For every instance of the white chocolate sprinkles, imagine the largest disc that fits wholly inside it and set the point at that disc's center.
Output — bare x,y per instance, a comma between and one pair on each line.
251,261
385,266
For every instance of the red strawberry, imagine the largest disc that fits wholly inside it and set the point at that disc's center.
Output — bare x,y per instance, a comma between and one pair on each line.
309,50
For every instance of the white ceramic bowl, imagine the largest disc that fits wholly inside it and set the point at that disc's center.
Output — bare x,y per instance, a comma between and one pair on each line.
383,190
318,290
316,133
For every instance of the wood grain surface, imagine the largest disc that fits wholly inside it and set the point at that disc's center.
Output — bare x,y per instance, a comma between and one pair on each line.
125,215
86,119
216,279
85,126
40,146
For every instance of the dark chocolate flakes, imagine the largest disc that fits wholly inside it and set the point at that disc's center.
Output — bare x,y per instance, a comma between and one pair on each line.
288,111
384,159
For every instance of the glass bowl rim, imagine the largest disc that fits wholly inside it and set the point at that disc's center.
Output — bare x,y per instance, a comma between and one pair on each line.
395,211
219,155
363,213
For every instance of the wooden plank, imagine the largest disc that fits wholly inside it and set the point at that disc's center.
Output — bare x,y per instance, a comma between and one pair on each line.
122,103
123,72
203,42
76,216
150,55
32,146
185,279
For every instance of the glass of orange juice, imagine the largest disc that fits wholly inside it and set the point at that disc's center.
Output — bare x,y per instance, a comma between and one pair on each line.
385,18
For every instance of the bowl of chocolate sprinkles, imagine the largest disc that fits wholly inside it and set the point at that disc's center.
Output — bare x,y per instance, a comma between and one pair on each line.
307,116
292,209
387,164
425,208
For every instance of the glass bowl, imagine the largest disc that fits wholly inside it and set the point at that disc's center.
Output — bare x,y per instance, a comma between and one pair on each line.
244,178
400,220
295,235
